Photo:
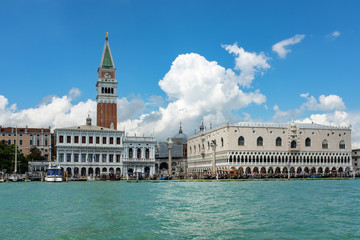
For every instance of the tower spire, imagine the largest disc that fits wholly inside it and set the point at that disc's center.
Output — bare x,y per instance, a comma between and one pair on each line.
106,58
180,130
202,127
106,90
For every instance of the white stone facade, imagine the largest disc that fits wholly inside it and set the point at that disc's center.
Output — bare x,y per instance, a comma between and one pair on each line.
92,150
272,148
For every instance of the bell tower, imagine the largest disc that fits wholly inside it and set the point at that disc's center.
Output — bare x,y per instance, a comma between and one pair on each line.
106,90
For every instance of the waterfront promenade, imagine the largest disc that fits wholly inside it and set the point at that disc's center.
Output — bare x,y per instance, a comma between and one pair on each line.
295,209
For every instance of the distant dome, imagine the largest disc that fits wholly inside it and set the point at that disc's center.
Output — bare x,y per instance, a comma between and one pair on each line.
182,136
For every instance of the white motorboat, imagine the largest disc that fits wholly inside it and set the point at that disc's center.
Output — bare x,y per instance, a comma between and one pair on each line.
53,173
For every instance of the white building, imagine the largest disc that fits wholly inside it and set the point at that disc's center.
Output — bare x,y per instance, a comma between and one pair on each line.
93,150
265,148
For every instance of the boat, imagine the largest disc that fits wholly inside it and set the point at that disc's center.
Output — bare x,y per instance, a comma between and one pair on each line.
53,173
166,178
2,176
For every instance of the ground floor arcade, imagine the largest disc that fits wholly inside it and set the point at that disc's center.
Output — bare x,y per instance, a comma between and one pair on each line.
107,170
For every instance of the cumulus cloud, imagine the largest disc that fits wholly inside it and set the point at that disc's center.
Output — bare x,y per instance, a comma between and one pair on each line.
281,48
197,88
55,112
127,109
155,101
339,118
248,63
74,93
325,103
3,102
333,114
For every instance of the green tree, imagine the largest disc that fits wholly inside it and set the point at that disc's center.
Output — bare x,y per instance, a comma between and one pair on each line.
35,155
7,159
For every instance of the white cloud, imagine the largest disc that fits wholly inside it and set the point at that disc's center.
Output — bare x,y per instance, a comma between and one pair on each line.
336,34
325,103
127,109
339,118
3,102
74,93
196,88
56,112
281,47
333,35
334,115
248,63
155,101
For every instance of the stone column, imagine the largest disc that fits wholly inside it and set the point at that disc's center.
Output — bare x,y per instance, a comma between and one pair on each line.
170,144
213,165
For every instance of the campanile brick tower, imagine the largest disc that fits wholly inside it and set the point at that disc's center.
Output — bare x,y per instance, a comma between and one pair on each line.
106,90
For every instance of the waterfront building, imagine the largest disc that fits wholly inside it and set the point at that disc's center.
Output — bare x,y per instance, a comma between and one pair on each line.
266,148
103,150
89,150
356,159
178,155
28,138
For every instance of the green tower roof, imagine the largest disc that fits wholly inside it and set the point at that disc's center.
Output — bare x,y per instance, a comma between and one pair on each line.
107,60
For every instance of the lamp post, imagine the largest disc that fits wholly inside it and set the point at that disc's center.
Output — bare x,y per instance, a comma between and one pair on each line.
170,144
213,165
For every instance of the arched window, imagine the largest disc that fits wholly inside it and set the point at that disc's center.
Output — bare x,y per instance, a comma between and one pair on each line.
190,150
199,148
106,90
102,90
241,141
293,144
342,144
138,153
260,141
147,155
307,142
325,144
278,142
222,142
130,153
112,91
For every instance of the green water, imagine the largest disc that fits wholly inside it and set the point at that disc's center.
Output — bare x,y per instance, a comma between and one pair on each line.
323,209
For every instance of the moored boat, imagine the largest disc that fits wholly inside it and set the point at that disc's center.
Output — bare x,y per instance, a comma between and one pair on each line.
53,174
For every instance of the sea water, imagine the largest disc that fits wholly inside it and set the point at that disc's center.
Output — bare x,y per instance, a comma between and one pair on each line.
296,209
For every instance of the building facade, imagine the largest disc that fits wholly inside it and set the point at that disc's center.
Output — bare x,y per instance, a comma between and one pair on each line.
94,151
27,138
89,150
265,148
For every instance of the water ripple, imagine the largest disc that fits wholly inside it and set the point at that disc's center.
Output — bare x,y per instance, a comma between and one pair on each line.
181,210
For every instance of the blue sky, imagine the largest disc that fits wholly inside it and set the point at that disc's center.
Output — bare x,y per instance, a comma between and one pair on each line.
50,52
